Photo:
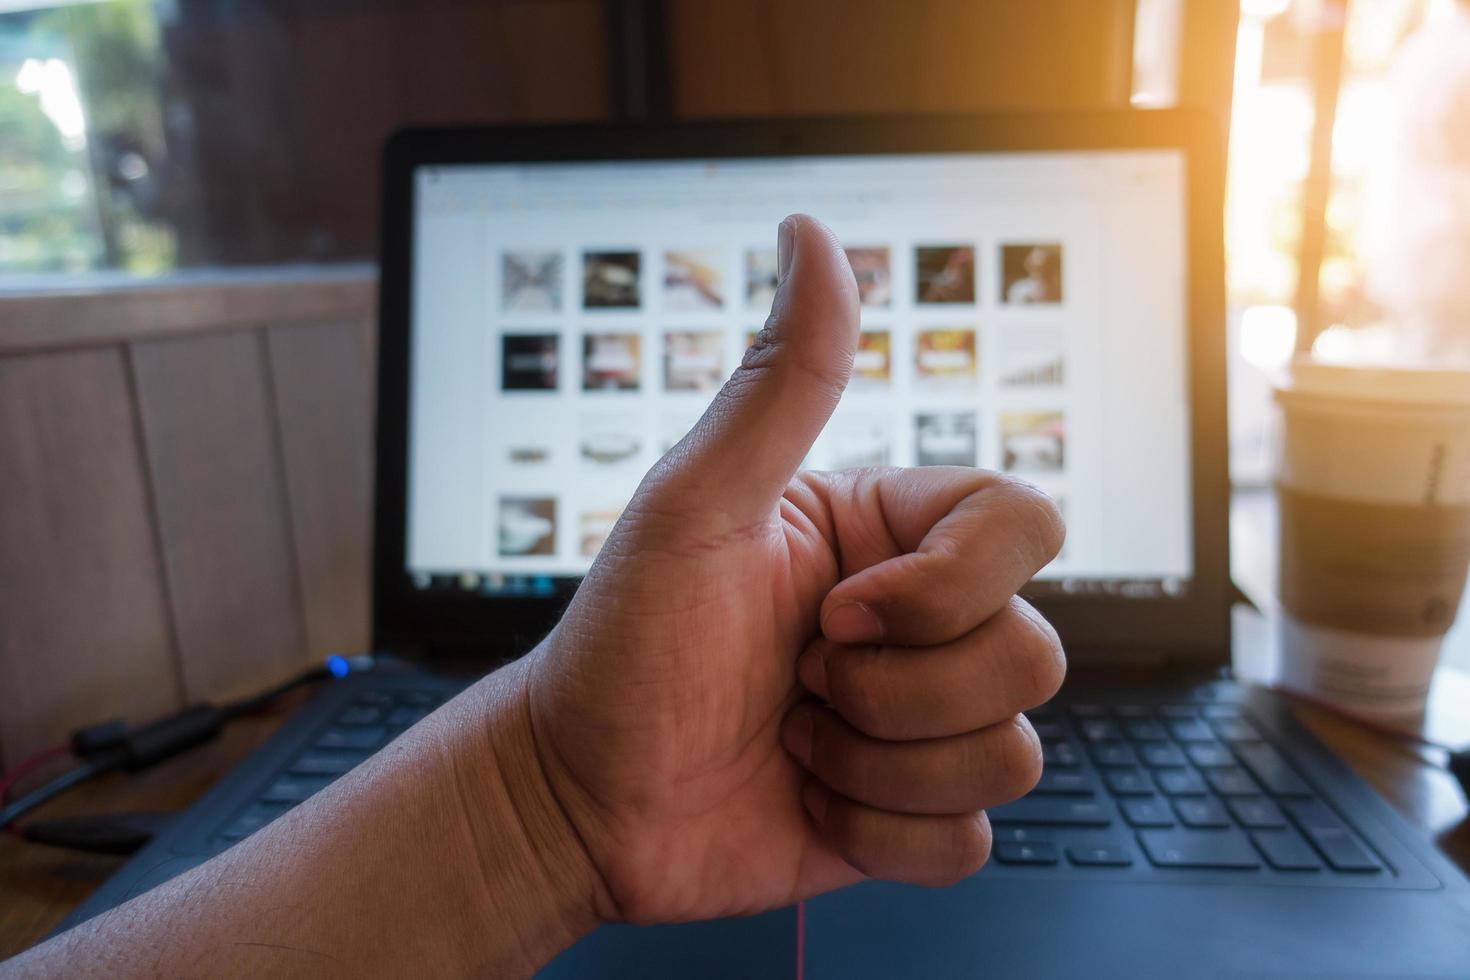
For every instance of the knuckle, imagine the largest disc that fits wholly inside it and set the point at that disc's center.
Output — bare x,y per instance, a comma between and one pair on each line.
969,847
1042,662
858,693
1017,763
1036,515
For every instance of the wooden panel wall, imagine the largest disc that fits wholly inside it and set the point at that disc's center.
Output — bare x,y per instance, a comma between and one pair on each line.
815,57
184,509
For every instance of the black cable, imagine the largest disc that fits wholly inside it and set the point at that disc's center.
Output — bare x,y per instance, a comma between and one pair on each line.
55,787
114,745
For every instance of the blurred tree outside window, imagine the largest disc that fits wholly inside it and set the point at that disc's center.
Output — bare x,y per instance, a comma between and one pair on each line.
1366,256
81,139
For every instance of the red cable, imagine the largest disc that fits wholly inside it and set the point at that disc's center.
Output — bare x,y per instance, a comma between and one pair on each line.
800,939
25,768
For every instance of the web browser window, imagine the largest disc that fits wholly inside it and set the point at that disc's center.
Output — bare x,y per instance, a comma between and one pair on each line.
1020,312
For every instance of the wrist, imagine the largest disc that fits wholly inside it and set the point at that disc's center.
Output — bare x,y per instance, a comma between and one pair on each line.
541,886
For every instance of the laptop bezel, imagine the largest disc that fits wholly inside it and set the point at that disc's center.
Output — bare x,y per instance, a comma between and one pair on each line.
1192,629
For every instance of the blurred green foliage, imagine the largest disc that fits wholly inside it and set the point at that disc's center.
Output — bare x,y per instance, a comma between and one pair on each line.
74,208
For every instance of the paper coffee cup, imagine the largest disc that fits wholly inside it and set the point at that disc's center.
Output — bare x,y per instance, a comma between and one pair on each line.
1374,489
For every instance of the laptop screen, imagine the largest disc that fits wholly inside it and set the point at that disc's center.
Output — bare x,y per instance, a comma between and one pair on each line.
1023,312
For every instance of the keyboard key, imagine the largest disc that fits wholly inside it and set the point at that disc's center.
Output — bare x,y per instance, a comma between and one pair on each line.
1179,711
1049,730
1146,812
256,816
1060,755
1134,711
361,714
379,698
1225,692
1231,781
1286,851
1236,730
1331,836
1065,784
1217,711
1100,730
427,699
1100,856
294,789
1018,852
1256,812
1201,812
1030,835
407,716
1271,770
1128,782
324,764
1163,754
1198,849
1146,731
1180,782
1089,711
1114,754
353,738
1054,811
1207,754
1191,731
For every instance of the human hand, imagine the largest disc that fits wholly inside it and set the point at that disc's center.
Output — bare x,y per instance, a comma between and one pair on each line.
698,775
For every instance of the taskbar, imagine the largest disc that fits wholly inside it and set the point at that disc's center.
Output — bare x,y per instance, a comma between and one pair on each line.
480,582
1165,587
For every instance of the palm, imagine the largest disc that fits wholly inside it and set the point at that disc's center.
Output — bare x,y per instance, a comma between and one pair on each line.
675,745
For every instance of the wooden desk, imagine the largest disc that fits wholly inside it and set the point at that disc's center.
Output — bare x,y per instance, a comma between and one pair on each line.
40,885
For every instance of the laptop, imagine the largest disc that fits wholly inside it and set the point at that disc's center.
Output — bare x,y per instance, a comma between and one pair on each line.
1040,294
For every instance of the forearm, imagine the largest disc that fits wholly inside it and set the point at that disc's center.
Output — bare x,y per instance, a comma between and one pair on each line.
445,855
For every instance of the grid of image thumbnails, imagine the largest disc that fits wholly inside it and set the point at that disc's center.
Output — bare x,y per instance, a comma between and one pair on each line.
689,321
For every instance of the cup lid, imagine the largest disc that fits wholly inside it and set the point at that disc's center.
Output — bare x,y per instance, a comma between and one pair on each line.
1408,384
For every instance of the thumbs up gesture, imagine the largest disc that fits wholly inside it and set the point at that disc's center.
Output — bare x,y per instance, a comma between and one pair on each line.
774,683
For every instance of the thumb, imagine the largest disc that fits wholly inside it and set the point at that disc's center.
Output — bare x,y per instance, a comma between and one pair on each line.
738,458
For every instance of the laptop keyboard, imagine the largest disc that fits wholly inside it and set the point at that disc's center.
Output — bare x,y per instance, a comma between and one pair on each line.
1180,785
371,720
1162,787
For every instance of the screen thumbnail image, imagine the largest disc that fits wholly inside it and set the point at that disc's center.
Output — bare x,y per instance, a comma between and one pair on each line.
945,358
1031,273
593,528
610,280
693,360
870,269
1033,442
527,526
693,280
530,362
850,442
1032,357
945,439
760,278
611,439
530,281
673,426
872,361
944,274
612,361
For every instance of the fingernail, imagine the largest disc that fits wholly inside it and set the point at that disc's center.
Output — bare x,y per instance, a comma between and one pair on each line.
852,622
811,670
796,735
816,797
785,247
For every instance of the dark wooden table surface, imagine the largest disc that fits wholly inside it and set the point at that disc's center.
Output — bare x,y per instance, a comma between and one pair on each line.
40,885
